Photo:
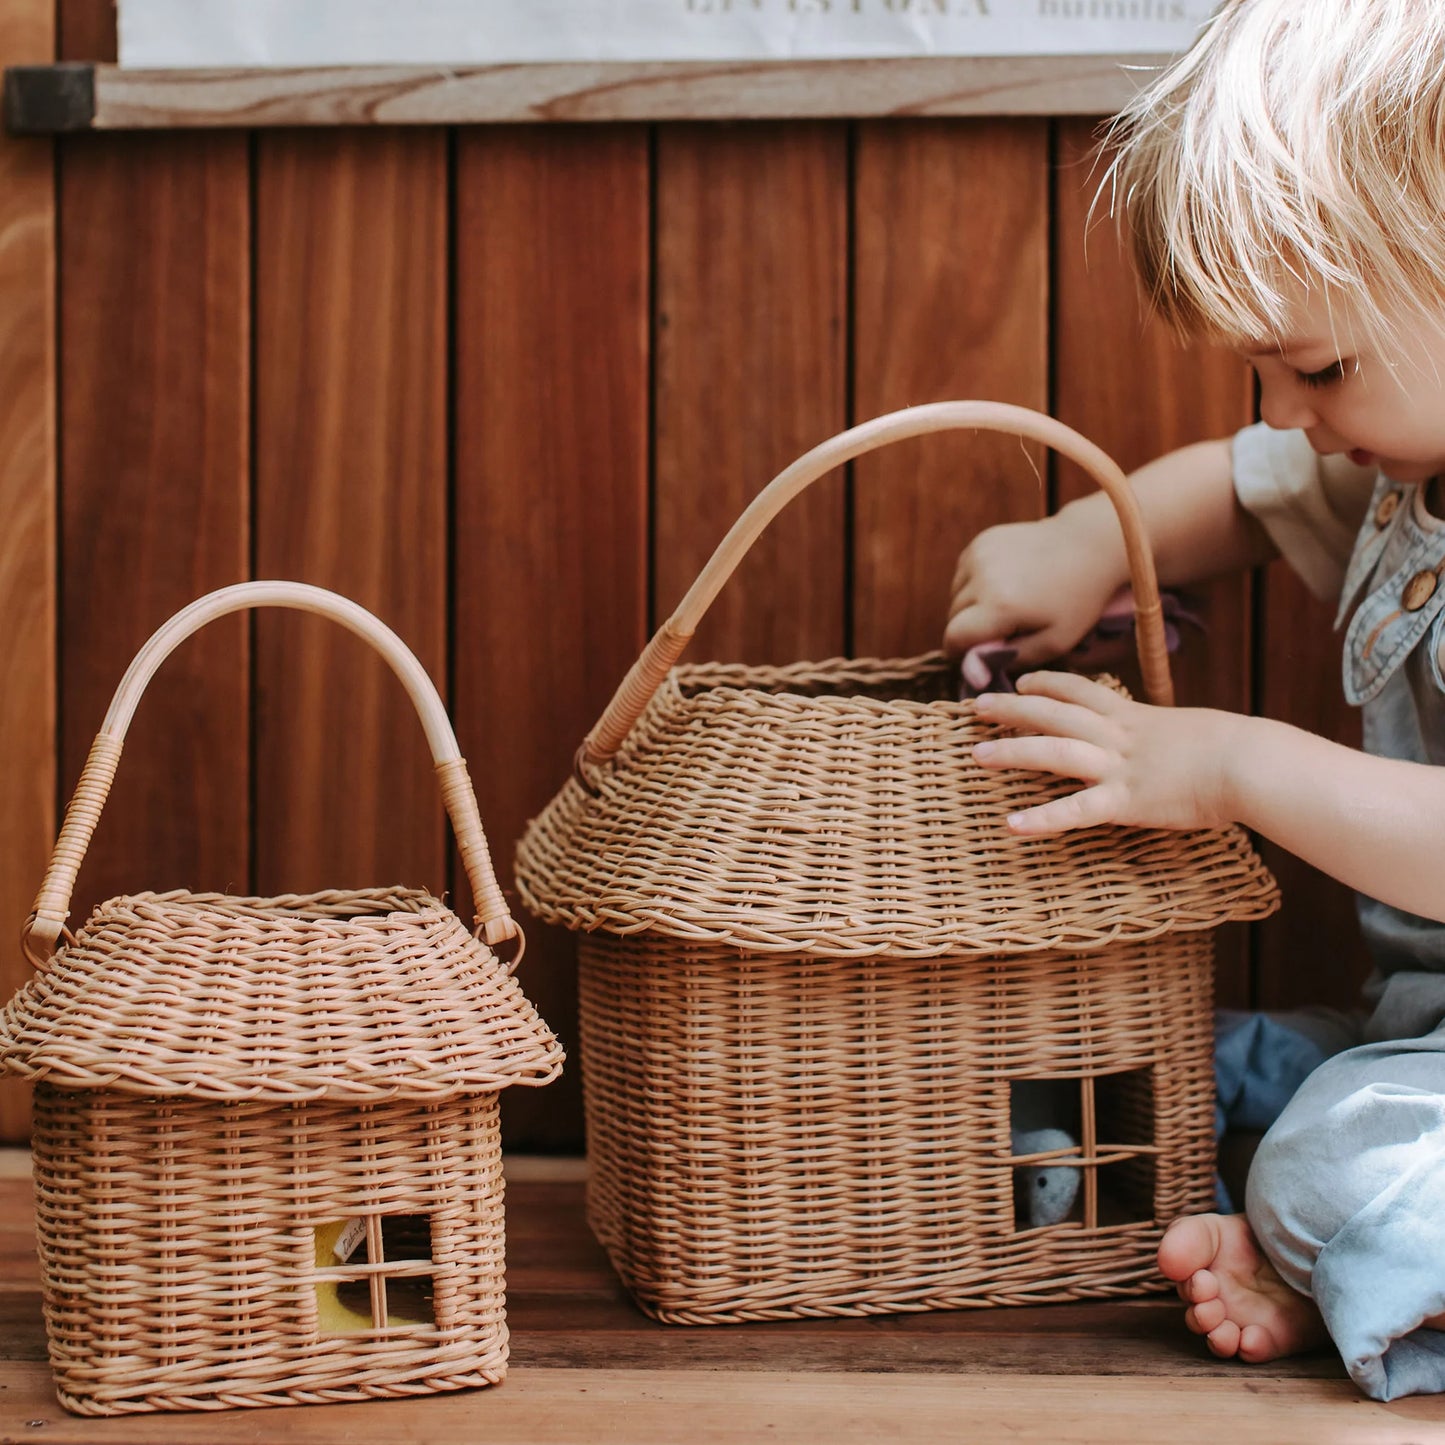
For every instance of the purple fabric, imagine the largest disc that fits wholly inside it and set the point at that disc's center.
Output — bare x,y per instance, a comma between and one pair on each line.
986,668
989,667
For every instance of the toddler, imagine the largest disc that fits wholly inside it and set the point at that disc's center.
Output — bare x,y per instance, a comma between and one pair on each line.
1283,189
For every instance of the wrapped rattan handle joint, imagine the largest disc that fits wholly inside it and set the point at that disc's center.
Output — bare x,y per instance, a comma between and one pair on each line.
643,679
648,672
52,905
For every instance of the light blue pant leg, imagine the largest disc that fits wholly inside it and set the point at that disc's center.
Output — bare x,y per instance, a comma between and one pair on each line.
1347,1198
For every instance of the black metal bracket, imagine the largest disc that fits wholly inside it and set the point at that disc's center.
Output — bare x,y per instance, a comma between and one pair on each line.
49,99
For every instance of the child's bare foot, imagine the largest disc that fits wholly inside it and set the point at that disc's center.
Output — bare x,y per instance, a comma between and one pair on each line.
1236,1299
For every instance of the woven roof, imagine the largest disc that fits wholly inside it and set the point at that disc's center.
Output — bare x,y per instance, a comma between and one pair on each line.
362,996
836,809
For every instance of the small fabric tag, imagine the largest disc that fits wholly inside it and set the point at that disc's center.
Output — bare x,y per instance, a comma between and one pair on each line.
348,1239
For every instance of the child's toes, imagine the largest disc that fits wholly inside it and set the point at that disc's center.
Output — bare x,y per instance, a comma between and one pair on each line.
1199,1287
1223,1340
1189,1244
1256,1345
1203,1318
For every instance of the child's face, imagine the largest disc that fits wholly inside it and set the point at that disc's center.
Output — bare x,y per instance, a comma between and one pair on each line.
1382,407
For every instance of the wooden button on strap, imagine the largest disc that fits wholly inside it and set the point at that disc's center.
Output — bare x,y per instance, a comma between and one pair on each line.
1389,505
1418,591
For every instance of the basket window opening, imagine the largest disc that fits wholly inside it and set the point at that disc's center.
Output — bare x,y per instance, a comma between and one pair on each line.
1084,1152
375,1273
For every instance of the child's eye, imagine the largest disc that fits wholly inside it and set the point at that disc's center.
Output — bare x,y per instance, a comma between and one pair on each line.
1333,372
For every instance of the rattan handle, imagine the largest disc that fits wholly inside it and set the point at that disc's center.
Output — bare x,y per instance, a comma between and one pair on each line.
648,672
52,906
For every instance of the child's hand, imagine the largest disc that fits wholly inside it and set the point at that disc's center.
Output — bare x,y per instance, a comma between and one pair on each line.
1040,586
1151,767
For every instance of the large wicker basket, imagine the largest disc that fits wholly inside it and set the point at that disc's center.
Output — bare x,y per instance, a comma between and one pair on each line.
266,1153
815,968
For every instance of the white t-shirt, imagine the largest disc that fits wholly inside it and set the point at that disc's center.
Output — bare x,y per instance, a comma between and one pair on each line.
1311,506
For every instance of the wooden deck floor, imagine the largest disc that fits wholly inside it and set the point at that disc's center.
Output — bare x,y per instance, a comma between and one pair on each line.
588,1367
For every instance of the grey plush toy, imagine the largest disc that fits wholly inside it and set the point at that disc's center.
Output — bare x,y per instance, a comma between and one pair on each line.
1043,1193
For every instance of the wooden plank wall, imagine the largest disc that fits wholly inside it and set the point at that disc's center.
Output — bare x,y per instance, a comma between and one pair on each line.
27,507
508,387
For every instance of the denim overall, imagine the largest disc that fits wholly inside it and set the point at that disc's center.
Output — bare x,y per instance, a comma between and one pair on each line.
1347,1192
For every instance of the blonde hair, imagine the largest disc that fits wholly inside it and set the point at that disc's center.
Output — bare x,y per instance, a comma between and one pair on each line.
1298,141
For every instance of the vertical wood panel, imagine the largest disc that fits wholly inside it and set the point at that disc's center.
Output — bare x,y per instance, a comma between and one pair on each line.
1311,951
751,372
1127,384
154,326
351,494
27,507
551,553
551,496
86,29
950,298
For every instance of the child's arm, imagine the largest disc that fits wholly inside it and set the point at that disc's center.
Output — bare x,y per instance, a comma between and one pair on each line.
1042,585
1373,823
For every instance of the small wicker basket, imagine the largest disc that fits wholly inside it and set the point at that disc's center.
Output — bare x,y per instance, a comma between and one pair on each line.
266,1150
816,967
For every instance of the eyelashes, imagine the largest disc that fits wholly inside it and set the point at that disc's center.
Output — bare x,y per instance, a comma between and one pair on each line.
1333,372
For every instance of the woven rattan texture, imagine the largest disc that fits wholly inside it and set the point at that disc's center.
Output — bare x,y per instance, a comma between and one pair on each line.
836,808
775,1135
345,995
178,1248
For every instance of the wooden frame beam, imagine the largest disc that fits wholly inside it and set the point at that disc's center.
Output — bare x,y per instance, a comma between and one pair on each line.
52,99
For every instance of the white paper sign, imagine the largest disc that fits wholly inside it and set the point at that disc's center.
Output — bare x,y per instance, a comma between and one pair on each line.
190,33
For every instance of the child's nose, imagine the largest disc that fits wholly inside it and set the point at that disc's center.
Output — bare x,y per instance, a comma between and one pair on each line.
1285,407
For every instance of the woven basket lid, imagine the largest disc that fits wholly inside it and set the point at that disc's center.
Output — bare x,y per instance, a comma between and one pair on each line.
834,809
362,996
